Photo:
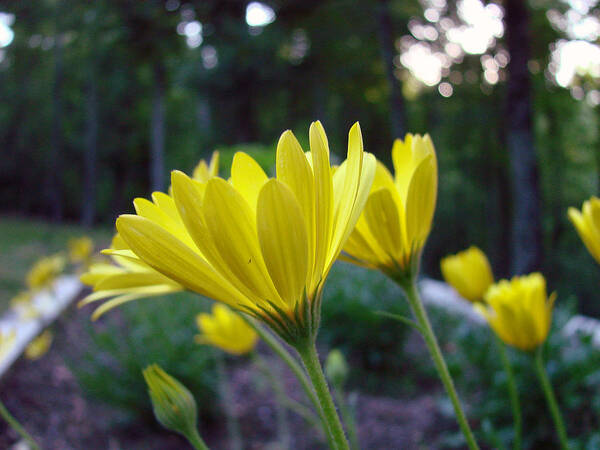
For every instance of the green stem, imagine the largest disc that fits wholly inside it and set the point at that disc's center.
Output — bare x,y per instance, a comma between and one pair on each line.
347,416
279,391
233,426
195,440
308,353
17,426
512,392
551,399
296,369
422,319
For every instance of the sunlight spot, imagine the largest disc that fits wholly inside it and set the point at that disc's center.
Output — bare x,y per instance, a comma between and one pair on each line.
258,14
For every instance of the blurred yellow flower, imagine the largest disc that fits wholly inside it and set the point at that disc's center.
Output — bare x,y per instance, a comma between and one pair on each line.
519,311
587,224
7,340
39,346
45,271
226,330
396,221
203,171
469,272
127,279
262,246
80,249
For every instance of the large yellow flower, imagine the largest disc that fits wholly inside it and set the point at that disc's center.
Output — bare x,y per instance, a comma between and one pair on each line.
519,311
587,224
262,246
397,218
469,272
226,330
45,271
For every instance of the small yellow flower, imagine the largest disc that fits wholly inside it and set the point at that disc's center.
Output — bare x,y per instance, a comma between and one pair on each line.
519,311
7,341
45,271
127,279
226,330
397,218
80,249
587,224
469,272
39,346
203,171
263,246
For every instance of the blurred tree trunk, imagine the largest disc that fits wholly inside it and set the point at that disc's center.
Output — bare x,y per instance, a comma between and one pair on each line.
88,211
526,230
157,129
386,39
54,163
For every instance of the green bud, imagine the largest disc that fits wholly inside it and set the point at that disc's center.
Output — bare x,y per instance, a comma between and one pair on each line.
174,405
336,367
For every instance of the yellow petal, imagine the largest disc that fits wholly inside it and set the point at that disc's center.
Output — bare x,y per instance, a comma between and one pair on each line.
420,202
323,198
282,236
247,177
382,216
294,170
168,255
232,227
132,279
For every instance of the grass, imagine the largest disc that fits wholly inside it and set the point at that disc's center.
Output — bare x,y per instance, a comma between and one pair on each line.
23,241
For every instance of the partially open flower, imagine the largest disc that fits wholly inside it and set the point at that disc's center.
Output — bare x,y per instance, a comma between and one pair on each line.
469,272
519,311
226,330
396,221
587,224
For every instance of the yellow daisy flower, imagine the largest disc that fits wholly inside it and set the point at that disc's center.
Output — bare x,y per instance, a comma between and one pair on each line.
396,221
519,311
262,246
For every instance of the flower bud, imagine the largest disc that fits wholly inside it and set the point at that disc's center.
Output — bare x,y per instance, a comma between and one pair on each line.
174,405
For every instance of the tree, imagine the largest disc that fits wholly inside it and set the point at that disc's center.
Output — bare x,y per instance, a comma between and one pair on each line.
526,229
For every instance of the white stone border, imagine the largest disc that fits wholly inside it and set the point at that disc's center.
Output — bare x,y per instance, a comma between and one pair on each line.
49,304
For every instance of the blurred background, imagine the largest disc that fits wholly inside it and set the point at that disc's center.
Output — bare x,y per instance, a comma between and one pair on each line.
100,100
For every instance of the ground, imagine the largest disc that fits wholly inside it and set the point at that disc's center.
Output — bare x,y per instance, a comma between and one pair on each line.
45,396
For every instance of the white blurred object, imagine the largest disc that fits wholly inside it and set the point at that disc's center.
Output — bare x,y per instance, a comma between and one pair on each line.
48,304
